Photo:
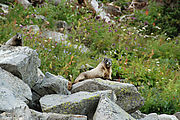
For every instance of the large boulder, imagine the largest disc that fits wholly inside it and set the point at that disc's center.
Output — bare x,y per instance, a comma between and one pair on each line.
52,84
54,116
108,110
48,84
11,107
128,98
83,103
21,62
19,89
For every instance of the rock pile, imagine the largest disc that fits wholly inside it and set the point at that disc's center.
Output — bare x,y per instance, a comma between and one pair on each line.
26,93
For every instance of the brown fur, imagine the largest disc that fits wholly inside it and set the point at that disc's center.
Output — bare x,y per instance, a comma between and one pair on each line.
101,71
15,40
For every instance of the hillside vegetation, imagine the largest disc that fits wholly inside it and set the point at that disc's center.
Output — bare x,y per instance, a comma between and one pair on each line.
145,49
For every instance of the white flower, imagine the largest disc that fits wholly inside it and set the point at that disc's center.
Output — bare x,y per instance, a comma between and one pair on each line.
45,41
50,38
124,29
168,38
158,27
146,36
149,70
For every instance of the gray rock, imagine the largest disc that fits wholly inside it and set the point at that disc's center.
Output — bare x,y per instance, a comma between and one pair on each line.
138,115
12,107
54,116
56,36
32,28
128,98
25,3
41,75
112,9
61,38
167,117
83,103
48,84
21,62
108,110
4,8
52,84
100,11
55,2
177,114
17,86
152,116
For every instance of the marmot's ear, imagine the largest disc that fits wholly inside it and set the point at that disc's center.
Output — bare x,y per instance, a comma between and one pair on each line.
105,59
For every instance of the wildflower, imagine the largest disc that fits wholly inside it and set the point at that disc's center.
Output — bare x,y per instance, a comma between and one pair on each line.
124,29
146,36
45,41
168,38
53,47
146,23
115,30
158,27
96,31
110,31
146,13
50,37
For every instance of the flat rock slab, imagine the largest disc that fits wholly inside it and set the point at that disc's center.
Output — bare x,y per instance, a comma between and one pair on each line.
167,117
21,62
108,110
128,98
82,103
54,116
19,89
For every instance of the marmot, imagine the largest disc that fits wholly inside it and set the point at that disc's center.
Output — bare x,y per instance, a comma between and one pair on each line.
15,40
103,70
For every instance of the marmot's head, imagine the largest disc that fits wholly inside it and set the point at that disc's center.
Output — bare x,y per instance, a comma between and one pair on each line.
108,62
18,36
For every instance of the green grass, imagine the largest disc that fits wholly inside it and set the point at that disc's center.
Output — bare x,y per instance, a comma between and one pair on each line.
150,63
